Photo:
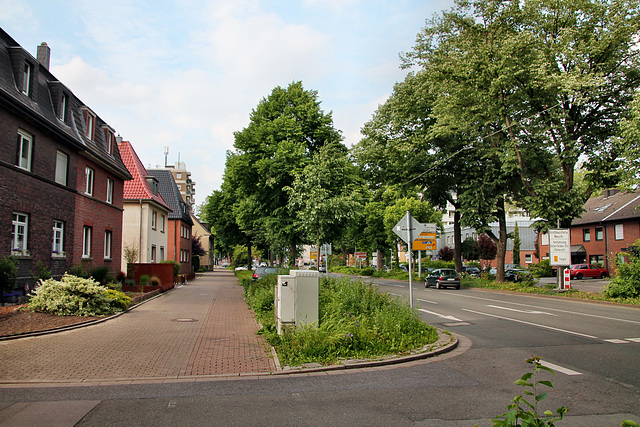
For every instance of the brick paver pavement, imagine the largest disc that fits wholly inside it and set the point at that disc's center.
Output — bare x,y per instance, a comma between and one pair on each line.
202,328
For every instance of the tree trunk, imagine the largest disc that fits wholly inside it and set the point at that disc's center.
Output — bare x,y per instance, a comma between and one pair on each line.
292,254
249,258
457,238
502,240
380,256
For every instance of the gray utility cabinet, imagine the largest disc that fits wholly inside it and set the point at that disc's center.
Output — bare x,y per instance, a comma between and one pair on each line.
296,299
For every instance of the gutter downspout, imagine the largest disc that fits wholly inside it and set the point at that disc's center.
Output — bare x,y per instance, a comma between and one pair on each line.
140,236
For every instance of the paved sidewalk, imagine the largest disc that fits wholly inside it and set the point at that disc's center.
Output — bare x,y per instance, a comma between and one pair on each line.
201,329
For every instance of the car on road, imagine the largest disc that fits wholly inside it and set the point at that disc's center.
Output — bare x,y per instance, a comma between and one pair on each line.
579,271
443,277
322,269
517,275
260,272
471,271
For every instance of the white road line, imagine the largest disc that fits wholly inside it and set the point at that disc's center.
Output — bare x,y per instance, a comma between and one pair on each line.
532,324
617,341
425,300
633,339
463,295
560,369
440,315
521,311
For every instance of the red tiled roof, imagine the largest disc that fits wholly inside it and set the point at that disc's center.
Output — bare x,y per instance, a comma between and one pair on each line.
137,188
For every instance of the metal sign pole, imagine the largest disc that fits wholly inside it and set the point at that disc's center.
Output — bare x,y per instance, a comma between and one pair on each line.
409,248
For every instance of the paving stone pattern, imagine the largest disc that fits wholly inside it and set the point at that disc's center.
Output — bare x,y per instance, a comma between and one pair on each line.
202,328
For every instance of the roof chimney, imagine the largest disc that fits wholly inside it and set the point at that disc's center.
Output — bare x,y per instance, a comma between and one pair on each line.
44,54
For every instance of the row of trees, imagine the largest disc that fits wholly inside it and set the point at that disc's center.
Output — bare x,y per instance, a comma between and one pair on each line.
527,103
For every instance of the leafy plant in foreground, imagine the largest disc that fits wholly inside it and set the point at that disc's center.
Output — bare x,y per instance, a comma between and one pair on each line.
525,413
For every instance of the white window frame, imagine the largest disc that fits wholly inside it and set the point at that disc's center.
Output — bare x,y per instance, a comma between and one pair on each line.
19,233
26,79
619,231
528,258
162,222
599,232
90,125
586,234
88,181
109,191
154,219
24,161
62,164
108,239
86,241
63,107
57,246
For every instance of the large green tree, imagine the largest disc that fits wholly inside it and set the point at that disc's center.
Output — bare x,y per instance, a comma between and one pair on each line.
325,195
284,132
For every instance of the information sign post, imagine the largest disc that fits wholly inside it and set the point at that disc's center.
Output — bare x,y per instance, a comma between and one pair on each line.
406,228
560,251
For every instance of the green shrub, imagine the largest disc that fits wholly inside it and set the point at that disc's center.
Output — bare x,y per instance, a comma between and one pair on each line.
144,279
76,296
367,271
78,271
154,281
99,274
626,283
542,269
8,273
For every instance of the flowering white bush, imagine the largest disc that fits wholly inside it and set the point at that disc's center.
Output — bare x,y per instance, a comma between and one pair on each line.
75,296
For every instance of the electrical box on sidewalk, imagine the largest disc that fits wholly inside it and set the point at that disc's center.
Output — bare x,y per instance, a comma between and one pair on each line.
296,299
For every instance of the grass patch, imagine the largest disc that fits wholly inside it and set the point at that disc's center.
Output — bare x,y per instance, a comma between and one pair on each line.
355,321
531,288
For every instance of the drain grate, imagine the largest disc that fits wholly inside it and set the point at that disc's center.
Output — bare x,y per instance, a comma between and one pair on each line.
185,319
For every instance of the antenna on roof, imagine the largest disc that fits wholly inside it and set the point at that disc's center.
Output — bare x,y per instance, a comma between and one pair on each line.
166,153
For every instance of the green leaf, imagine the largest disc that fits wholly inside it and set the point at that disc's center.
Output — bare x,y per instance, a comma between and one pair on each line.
523,383
541,396
547,383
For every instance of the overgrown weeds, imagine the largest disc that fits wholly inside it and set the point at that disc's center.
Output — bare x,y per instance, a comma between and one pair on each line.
355,321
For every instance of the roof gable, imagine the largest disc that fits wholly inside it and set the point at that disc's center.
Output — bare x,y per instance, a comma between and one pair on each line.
171,194
138,188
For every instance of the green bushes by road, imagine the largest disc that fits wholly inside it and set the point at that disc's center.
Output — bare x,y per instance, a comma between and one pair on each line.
355,321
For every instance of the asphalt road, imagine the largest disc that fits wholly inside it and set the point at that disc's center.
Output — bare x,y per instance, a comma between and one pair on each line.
594,348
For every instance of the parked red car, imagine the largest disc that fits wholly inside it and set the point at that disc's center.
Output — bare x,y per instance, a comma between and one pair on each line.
578,271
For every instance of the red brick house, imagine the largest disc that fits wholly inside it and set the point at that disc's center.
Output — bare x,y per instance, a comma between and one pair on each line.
180,223
61,176
609,225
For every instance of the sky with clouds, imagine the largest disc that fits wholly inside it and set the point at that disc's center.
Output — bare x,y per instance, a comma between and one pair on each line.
187,73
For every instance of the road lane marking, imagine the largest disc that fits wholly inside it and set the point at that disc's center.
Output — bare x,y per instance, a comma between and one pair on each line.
463,295
425,300
617,341
532,324
633,339
560,369
440,315
521,311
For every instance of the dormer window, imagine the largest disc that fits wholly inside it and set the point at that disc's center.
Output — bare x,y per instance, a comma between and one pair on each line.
26,79
109,138
64,102
153,184
89,122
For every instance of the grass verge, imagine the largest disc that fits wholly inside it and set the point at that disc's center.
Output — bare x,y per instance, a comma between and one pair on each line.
355,321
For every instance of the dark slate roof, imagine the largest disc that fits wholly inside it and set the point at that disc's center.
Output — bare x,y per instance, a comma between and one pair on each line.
610,207
41,105
169,191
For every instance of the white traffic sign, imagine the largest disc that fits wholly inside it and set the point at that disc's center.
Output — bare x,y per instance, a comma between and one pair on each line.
409,226
560,247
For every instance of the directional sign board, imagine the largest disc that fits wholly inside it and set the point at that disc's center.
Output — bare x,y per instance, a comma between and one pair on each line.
361,255
415,227
425,242
560,247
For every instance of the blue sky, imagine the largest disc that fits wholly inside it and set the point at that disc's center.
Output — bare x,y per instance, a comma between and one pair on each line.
186,74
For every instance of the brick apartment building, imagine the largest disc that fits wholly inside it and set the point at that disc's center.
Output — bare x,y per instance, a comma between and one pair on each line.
61,175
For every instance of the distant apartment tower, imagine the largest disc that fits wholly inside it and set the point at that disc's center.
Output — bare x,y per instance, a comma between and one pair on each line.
186,185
